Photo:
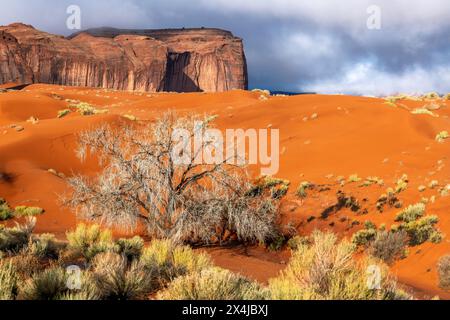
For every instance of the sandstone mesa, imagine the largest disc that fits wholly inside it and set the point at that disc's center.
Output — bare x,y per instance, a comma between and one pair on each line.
175,60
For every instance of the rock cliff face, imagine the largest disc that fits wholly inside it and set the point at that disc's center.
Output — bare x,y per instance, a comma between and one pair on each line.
182,60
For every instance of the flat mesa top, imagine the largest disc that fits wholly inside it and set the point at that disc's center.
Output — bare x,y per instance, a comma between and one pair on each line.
161,34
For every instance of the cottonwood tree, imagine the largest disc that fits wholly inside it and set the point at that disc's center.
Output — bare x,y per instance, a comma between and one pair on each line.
144,183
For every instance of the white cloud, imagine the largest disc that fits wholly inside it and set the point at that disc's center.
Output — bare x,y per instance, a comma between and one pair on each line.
365,78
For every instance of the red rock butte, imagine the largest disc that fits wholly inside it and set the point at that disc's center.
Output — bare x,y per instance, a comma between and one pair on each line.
174,60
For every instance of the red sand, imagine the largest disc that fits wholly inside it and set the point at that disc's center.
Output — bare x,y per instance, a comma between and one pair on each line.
351,135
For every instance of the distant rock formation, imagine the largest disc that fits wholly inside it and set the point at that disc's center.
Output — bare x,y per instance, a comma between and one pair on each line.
181,60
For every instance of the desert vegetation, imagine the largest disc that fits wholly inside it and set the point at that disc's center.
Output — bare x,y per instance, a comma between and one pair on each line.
93,266
144,182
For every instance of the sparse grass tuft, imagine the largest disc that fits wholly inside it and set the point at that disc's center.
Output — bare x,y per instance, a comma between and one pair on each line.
17,238
354,178
49,284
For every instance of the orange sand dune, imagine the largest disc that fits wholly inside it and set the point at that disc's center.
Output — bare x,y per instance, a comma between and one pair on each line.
322,137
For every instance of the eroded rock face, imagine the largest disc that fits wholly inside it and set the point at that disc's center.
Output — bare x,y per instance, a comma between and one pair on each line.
184,60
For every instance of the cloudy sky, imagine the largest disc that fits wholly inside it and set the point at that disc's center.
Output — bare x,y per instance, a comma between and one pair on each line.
292,45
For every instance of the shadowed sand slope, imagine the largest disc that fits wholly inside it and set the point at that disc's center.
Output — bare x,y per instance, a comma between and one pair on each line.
322,138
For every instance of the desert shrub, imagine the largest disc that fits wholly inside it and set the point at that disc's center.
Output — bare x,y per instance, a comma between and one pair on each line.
85,109
447,96
24,211
17,238
212,284
389,246
354,178
423,111
165,261
442,136
144,182
63,113
116,280
26,264
431,95
8,281
411,213
402,184
90,240
444,272
130,248
364,237
326,270
422,230
5,211
294,242
49,284
45,246
302,189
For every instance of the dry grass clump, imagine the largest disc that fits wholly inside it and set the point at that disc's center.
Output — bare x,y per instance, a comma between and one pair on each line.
49,284
24,211
424,111
16,238
444,272
8,281
166,261
442,136
326,270
116,279
88,241
213,284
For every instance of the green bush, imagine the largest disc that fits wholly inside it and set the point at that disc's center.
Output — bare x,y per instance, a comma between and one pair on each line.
90,240
364,237
63,113
213,284
444,272
8,281
411,213
24,211
422,230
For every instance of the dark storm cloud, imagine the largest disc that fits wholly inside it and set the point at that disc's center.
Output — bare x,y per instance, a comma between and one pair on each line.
291,45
